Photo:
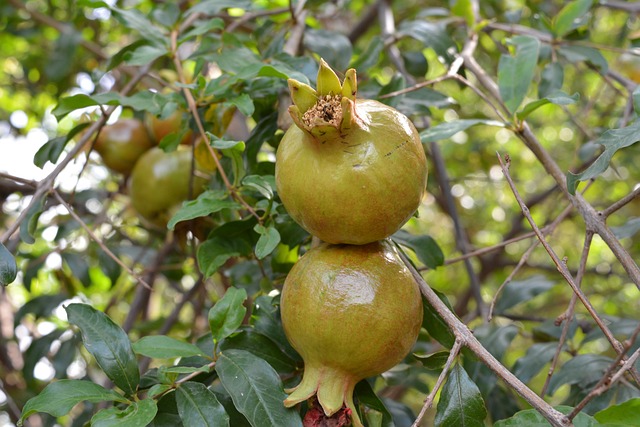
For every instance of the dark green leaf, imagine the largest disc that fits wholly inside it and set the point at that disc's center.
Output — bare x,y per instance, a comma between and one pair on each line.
207,203
250,340
214,252
40,306
269,239
50,151
185,369
551,79
435,325
612,141
583,368
366,396
460,402
426,249
515,73
163,347
263,184
79,267
227,314
448,129
108,343
623,414
630,228
59,397
266,321
584,53
538,355
432,35
117,59
199,407
137,414
556,97
370,56
30,221
518,291
533,418
256,389
433,361
333,47
8,266
569,17
619,327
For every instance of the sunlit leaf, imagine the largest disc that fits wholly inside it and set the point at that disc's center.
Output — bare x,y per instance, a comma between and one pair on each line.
623,414
426,249
557,98
207,203
137,414
570,15
227,314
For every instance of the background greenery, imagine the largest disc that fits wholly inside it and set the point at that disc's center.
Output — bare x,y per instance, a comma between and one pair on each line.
552,86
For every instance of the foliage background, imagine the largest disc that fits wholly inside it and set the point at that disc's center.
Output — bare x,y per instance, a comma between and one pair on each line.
441,63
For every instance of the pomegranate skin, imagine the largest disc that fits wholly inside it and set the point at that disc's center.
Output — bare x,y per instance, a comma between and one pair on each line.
351,311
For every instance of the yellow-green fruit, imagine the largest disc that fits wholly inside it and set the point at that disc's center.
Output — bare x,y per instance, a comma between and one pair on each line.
349,170
161,181
351,311
122,143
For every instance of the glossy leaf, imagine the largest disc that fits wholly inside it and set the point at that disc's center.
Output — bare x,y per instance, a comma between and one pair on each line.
623,414
519,291
448,129
8,266
163,347
256,389
207,203
227,314
460,401
533,418
426,249
569,17
199,407
269,239
137,414
59,397
557,98
515,73
108,343
612,141
435,325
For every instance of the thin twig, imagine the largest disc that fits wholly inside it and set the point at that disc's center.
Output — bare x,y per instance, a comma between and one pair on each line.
620,203
455,350
466,337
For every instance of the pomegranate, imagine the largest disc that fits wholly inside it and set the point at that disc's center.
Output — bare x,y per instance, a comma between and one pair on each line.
351,311
349,170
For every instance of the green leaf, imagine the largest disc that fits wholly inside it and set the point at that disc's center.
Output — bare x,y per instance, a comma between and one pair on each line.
135,20
630,228
612,141
533,418
137,414
266,321
108,343
8,266
518,291
263,347
582,369
164,347
636,99
365,395
185,369
227,314
551,79
256,389
207,203
434,361
263,184
332,46
537,356
515,73
269,239
370,56
199,407
557,98
59,397
435,325
202,27
144,54
426,249
569,17
584,53
51,150
460,402
79,267
244,104
144,100
30,222
448,129
214,252
432,35
623,414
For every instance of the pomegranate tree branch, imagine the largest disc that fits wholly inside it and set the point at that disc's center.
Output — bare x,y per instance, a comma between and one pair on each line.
467,339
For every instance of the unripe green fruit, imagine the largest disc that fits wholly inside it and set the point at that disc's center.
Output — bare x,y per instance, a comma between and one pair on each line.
161,181
122,143
351,311
349,170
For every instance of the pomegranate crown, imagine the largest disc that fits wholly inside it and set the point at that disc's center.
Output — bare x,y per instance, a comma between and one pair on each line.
328,109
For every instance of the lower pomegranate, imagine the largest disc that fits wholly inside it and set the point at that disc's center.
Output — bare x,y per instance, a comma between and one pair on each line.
351,312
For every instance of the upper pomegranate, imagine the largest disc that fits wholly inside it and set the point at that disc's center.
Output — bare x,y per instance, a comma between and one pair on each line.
349,170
